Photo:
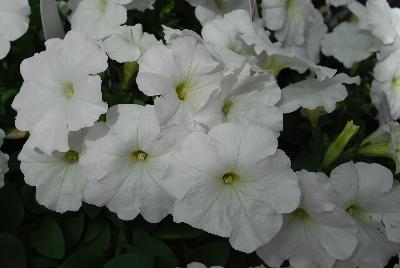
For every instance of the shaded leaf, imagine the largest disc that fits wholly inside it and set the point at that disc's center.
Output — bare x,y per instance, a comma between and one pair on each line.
48,239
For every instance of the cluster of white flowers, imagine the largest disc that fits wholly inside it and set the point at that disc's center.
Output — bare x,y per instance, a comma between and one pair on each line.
207,150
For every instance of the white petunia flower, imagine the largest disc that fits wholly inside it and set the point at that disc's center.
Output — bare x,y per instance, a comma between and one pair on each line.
315,29
61,92
240,91
184,73
387,80
317,233
287,18
14,22
337,3
232,182
348,44
141,5
224,36
207,10
128,43
3,160
126,160
99,18
383,21
366,192
58,177
312,93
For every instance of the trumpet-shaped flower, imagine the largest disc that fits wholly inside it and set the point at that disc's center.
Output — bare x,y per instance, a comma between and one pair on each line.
367,193
232,182
126,160
387,80
57,177
184,73
287,18
383,21
245,98
61,92
349,44
207,10
315,234
99,18
3,160
128,43
14,22
224,36
312,93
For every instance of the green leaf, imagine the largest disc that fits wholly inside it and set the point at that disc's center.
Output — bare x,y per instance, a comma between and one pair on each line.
94,228
30,202
72,226
84,257
130,260
164,257
43,262
12,252
91,210
102,241
176,231
11,208
215,253
48,239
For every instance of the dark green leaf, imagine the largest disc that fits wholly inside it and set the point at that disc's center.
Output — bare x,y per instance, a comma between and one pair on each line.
12,252
11,207
93,229
215,253
43,262
130,260
72,226
84,257
175,231
91,210
48,239
102,241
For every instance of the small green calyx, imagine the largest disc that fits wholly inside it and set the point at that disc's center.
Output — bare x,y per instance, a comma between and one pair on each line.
218,3
69,90
140,155
181,90
229,178
71,156
396,84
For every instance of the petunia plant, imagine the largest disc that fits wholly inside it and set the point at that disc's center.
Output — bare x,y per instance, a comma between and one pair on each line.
199,133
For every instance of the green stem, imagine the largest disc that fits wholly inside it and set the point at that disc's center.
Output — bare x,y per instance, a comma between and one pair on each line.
130,70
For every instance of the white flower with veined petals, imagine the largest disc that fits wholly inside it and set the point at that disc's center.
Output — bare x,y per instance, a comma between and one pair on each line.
317,233
184,73
312,93
224,36
383,21
14,22
232,182
126,160
99,18
349,44
287,18
366,192
128,43
337,3
387,80
3,160
242,90
141,5
207,10
61,92
58,177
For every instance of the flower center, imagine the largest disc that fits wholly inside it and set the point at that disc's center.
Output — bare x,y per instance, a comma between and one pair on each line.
181,90
290,4
396,84
301,212
103,5
352,210
140,155
69,90
71,156
227,107
229,178
219,3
